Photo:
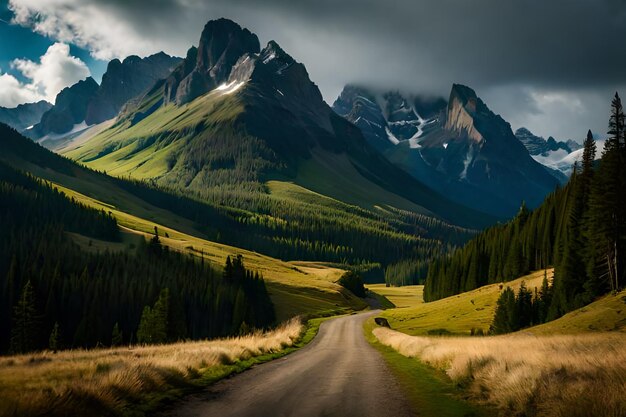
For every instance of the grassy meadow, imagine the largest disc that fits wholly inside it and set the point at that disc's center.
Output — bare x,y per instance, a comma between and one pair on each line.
522,374
400,297
572,366
456,315
133,380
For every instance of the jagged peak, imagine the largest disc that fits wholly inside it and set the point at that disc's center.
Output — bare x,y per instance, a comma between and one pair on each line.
523,132
220,34
462,107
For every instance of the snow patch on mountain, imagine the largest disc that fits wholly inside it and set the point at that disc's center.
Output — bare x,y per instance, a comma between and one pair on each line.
563,161
391,137
231,87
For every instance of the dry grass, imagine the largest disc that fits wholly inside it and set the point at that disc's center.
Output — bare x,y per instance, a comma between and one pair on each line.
524,374
107,381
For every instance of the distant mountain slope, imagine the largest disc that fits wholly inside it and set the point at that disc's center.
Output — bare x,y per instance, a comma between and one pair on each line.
231,117
87,103
126,80
25,115
558,156
537,145
69,110
461,148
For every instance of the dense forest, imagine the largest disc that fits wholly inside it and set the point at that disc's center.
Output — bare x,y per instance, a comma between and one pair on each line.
54,293
304,228
289,225
579,229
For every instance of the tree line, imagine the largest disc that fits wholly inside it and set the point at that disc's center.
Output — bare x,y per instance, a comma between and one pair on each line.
580,229
56,294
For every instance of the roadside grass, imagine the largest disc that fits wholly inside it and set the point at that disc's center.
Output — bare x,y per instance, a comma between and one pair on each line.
401,297
430,392
135,380
455,315
572,366
522,374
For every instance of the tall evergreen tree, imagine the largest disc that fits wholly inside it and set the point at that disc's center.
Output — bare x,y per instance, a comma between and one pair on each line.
116,336
25,321
504,318
53,340
608,202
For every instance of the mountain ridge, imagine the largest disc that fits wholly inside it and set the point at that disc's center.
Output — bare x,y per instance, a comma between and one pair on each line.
25,115
455,149
262,120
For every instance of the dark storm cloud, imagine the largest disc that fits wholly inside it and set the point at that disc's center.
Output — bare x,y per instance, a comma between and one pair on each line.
527,57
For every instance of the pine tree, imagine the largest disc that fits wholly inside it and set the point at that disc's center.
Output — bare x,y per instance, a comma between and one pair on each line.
25,322
545,298
144,332
503,320
589,156
524,308
160,317
116,336
608,202
153,324
53,341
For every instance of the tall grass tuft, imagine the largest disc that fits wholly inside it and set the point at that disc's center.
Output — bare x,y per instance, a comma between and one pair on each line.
107,381
523,374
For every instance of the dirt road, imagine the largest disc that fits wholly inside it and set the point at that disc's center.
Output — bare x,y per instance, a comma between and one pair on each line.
337,374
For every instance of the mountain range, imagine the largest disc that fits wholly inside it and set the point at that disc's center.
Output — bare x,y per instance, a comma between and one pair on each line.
559,156
87,103
232,114
458,147
24,116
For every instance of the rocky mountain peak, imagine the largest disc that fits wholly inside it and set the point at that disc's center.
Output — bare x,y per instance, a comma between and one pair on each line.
222,44
69,109
125,80
462,108
538,146
24,116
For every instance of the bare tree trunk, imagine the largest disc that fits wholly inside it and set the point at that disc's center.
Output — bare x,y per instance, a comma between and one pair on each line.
610,270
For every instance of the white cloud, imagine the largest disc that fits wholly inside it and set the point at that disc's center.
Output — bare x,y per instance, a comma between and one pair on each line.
107,30
526,74
564,114
55,70
12,92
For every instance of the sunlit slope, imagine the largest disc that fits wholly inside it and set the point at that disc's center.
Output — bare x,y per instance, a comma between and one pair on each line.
295,288
461,313
140,148
458,314
401,297
603,315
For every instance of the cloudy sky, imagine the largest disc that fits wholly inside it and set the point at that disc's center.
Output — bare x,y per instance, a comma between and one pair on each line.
551,66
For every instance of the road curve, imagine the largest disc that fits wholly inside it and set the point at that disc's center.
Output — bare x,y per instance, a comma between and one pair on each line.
337,374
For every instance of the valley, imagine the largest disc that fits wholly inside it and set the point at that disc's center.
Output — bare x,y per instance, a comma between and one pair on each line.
189,227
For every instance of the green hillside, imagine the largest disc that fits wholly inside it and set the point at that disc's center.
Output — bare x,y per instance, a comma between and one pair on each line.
138,209
459,314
